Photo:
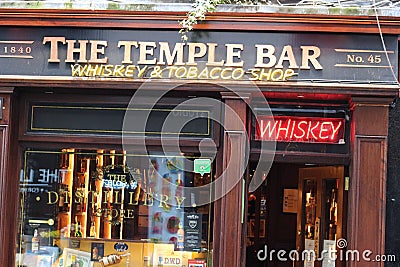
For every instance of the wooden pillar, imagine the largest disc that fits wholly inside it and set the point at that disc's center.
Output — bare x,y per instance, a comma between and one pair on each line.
367,196
8,198
228,216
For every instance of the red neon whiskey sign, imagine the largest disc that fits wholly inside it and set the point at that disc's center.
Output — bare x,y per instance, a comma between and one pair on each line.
300,129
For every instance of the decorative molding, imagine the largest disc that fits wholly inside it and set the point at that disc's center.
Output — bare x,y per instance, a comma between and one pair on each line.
6,90
231,202
371,101
3,190
240,86
229,21
246,97
231,232
3,153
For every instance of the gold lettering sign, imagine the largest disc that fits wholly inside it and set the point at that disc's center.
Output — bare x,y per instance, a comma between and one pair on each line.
163,60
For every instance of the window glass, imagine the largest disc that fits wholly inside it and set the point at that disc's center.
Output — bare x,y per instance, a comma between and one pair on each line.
109,208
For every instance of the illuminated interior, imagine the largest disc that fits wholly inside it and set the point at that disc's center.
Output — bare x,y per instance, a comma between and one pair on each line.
111,208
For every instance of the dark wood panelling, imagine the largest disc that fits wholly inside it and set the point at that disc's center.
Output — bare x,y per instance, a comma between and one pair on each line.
365,124
367,198
96,139
6,110
8,197
309,157
230,251
371,116
366,229
3,153
3,191
367,195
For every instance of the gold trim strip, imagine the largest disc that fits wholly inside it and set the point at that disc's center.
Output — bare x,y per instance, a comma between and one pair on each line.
360,66
371,105
22,197
110,108
112,131
16,56
32,118
106,154
362,51
17,42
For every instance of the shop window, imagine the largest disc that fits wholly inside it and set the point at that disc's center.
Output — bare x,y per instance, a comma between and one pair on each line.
111,208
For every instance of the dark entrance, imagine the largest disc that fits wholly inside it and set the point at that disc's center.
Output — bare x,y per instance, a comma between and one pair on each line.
298,205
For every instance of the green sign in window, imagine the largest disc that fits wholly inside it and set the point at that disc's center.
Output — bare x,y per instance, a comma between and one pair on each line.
202,166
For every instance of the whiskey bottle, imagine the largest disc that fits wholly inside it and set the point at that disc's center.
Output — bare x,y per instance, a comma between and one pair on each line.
78,232
78,207
61,201
66,206
92,232
35,242
181,237
83,204
332,209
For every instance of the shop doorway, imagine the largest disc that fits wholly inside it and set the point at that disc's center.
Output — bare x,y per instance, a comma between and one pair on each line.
298,208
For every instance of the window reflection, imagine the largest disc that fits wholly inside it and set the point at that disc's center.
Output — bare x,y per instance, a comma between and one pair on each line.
93,204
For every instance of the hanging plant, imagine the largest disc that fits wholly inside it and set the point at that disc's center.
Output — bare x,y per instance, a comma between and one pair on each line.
197,14
202,7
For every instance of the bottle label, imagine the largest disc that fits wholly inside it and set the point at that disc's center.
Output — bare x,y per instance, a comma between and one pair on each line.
35,246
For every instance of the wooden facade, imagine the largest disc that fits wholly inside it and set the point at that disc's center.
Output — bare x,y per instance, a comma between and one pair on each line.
365,225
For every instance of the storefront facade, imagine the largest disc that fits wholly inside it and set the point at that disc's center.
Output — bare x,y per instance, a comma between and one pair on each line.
86,180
